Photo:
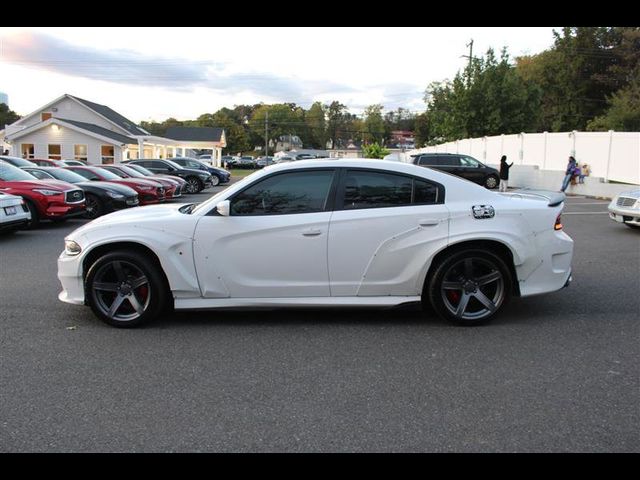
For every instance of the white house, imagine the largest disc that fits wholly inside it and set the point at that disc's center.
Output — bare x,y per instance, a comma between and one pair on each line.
73,128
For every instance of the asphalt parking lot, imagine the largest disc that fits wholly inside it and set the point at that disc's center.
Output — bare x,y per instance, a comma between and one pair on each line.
554,373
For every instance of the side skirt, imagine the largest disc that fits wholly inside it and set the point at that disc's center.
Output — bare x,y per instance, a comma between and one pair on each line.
339,302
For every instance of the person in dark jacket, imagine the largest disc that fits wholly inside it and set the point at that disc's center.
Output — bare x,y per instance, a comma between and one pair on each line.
569,172
504,173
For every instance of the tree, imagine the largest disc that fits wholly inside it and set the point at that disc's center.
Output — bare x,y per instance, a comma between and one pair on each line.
336,119
236,136
624,110
374,150
316,126
284,119
7,116
374,130
422,133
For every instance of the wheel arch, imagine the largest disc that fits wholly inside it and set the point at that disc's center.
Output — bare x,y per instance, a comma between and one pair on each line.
494,246
105,248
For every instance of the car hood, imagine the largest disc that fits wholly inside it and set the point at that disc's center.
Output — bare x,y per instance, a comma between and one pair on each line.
630,193
111,187
50,184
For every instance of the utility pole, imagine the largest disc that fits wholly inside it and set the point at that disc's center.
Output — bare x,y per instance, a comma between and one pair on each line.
266,134
470,57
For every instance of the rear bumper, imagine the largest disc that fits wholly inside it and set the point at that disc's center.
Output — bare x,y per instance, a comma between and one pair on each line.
553,270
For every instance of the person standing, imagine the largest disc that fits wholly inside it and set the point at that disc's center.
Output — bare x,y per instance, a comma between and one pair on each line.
504,173
568,174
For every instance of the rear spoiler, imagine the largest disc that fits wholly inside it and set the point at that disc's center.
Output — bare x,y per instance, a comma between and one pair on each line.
553,198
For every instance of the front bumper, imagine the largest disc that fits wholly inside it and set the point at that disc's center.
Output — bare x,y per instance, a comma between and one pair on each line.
70,276
624,215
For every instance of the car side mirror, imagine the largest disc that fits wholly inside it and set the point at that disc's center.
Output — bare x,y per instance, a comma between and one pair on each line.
223,208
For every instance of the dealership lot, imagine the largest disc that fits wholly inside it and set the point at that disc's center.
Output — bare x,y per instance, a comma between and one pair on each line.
559,372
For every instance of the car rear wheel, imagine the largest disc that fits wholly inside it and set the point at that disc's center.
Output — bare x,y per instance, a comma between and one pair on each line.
194,185
491,182
469,287
125,289
94,207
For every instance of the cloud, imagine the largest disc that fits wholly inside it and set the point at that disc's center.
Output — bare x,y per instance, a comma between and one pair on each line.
46,52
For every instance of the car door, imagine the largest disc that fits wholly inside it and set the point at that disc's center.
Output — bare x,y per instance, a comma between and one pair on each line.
273,243
471,169
383,229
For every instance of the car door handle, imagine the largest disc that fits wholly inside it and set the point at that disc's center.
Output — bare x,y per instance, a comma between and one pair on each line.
311,232
428,223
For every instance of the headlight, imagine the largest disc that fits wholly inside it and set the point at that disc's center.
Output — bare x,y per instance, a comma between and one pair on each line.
46,192
117,196
71,247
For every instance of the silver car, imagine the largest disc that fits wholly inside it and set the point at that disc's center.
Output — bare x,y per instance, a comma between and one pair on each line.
625,208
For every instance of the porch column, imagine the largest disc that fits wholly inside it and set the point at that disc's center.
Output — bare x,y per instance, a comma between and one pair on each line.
219,156
140,148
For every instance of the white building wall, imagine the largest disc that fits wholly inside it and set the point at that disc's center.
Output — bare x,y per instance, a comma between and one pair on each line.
611,155
67,138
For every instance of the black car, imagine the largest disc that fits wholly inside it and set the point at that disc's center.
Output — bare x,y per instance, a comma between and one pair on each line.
100,197
197,180
460,165
218,175
17,161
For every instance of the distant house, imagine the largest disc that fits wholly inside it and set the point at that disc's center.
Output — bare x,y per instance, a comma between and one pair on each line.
73,128
288,142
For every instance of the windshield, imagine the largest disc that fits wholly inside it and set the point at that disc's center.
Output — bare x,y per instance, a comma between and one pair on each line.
66,175
140,169
106,173
20,162
9,173
131,171
174,164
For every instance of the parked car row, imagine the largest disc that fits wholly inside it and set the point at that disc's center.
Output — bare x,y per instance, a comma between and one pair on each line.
53,190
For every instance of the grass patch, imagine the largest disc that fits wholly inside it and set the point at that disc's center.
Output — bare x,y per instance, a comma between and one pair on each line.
241,172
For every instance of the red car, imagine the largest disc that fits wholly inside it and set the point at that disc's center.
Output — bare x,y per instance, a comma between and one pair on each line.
172,188
149,191
46,199
148,173
47,162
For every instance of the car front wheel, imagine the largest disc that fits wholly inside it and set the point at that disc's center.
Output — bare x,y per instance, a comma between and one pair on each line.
194,185
215,180
491,182
125,289
469,287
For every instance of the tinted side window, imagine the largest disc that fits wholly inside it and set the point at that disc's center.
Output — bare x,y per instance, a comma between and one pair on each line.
427,160
374,190
296,192
469,162
424,192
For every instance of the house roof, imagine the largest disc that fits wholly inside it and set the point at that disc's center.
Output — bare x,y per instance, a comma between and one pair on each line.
195,134
113,116
105,132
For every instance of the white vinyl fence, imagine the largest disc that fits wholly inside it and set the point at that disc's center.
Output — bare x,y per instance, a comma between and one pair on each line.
611,155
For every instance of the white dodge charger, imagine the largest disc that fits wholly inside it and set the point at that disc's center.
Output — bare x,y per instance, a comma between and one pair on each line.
323,233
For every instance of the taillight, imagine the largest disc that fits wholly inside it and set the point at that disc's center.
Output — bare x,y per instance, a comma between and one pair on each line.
558,225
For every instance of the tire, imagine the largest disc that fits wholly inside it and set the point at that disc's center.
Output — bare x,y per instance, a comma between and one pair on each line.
35,217
94,207
456,290
125,289
491,182
215,180
194,185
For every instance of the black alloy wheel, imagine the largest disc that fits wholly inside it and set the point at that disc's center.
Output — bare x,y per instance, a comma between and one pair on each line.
125,289
469,287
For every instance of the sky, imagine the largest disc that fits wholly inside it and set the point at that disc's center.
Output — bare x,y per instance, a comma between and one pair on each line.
150,73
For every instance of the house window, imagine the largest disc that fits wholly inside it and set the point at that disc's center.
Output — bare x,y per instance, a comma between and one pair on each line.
107,152
80,152
55,152
28,150
45,116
